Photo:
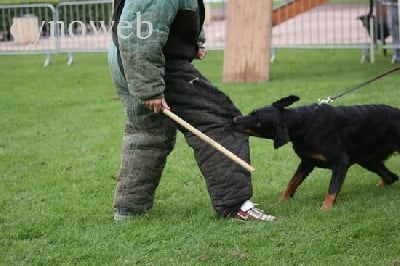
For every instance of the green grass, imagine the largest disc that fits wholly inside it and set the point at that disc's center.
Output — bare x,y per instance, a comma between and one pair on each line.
61,130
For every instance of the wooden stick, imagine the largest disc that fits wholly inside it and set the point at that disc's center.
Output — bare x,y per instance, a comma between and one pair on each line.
207,139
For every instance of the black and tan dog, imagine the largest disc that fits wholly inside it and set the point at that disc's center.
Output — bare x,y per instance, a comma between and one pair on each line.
329,137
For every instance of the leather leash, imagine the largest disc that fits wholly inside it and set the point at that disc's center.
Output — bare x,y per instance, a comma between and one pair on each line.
331,99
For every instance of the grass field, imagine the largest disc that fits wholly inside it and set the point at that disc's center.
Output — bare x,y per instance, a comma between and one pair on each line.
61,130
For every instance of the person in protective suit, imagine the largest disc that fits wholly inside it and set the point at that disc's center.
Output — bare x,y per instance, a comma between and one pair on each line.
154,43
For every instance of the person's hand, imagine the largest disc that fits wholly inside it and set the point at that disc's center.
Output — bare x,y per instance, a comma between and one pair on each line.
156,105
201,53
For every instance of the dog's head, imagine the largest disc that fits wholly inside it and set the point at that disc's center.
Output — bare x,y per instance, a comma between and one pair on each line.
381,28
266,122
365,20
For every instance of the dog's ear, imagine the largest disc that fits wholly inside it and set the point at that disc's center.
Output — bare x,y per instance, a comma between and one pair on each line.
281,136
285,102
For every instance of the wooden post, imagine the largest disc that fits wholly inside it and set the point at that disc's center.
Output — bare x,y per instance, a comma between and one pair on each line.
207,19
248,41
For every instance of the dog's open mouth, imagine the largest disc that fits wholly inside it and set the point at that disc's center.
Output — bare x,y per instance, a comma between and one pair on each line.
246,131
237,126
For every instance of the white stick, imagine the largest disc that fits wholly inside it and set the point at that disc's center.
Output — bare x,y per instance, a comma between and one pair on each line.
207,139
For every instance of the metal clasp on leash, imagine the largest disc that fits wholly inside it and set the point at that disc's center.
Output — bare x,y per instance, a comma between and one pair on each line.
325,101
330,99
193,80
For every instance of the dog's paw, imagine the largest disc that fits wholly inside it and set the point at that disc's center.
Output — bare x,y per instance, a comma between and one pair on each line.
329,201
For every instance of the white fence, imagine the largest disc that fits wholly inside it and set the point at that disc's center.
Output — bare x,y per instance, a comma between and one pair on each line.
84,26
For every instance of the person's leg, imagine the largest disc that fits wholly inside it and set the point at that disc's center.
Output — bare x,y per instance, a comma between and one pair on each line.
147,141
145,148
195,100
393,23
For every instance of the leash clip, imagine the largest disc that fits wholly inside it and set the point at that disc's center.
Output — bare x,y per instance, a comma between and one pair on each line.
193,80
326,101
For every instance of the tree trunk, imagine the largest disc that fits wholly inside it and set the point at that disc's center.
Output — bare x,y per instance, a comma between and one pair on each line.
248,41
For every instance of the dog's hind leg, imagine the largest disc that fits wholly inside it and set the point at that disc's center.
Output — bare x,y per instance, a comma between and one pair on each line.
339,172
303,170
387,176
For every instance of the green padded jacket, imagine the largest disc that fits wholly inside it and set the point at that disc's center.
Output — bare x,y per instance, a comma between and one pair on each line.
149,32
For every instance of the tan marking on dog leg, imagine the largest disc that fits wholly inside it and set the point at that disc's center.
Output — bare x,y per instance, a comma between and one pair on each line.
316,156
291,187
381,183
285,195
329,201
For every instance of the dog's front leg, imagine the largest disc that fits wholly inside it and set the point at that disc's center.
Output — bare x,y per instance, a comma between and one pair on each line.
303,170
339,171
